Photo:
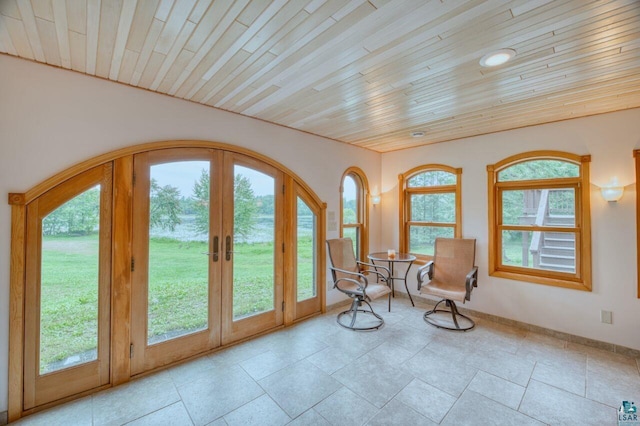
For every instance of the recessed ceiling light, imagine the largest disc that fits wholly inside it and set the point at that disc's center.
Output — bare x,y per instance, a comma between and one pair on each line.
497,57
418,134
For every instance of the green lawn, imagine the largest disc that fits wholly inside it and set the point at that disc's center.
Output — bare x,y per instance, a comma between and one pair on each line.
178,289
69,294
512,254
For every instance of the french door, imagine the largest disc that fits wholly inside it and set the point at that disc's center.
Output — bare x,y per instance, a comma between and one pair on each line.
152,257
207,252
67,288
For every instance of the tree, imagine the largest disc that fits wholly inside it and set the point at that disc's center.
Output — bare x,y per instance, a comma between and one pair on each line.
514,202
265,205
201,202
349,211
539,169
187,206
78,216
244,208
245,205
164,206
432,178
520,206
431,207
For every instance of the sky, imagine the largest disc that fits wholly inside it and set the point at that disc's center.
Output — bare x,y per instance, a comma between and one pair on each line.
349,189
183,175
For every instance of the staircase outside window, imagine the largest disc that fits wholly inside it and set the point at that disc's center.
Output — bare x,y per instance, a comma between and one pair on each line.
553,251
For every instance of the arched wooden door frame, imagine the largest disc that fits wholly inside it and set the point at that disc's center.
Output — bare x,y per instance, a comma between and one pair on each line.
123,178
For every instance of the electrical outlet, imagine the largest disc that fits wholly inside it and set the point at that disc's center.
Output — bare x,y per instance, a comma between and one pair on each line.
606,317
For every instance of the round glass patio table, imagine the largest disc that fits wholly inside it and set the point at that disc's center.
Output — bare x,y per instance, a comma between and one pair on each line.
383,256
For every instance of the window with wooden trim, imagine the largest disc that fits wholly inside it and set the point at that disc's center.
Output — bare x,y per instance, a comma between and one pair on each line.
539,219
354,210
429,208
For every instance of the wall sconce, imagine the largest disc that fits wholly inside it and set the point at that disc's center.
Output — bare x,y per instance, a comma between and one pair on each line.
613,191
375,200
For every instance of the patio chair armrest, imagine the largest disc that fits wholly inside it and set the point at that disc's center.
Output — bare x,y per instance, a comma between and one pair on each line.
375,267
471,281
361,287
359,279
426,269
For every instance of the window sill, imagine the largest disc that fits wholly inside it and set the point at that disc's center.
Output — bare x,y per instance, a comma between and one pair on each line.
545,280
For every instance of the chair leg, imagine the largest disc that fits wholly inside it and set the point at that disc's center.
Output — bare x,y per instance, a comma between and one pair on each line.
435,308
354,309
455,314
370,308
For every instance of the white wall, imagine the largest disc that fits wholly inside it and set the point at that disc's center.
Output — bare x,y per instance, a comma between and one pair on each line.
51,119
610,139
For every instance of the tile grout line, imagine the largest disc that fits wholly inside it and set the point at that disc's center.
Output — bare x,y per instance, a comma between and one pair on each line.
494,339
568,337
526,388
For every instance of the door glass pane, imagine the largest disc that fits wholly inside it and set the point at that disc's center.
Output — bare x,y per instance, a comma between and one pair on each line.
349,201
69,283
542,207
306,263
439,208
178,247
551,251
253,242
422,239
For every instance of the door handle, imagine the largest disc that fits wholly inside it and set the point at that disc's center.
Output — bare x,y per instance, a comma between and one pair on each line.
228,247
215,250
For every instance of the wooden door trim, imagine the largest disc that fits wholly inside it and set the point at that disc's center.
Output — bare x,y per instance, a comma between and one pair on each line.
289,276
16,310
121,273
138,242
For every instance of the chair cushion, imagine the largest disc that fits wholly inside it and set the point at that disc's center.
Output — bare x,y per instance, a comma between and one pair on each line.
444,290
374,290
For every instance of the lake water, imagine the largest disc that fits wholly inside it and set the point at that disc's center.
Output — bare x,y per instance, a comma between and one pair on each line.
261,232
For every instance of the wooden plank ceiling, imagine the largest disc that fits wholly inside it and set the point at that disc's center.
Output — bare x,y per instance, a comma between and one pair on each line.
367,73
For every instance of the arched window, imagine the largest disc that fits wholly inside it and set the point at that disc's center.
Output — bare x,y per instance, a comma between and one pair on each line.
354,210
539,220
429,207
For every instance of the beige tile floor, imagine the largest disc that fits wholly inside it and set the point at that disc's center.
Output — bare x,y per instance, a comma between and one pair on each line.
406,373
